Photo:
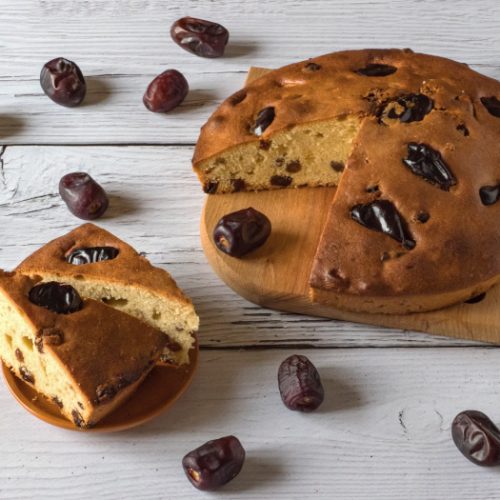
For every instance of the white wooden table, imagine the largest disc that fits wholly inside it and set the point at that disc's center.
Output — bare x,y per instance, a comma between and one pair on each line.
384,429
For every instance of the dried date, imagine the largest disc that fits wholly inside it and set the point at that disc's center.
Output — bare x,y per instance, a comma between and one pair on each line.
300,384
477,437
215,463
238,233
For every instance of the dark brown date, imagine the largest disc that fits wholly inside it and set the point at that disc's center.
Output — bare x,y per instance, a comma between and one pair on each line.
299,384
407,108
215,463
57,297
241,232
84,197
374,69
63,82
426,162
200,37
489,194
477,437
492,104
382,215
91,255
264,118
166,91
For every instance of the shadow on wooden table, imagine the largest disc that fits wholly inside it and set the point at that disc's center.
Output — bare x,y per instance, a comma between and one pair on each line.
10,126
98,90
339,395
260,464
120,206
240,49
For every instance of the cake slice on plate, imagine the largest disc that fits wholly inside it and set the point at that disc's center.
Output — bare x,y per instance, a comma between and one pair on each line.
102,267
83,355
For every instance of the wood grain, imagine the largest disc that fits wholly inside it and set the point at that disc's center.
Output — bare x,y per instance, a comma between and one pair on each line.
277,275
383,432
122,44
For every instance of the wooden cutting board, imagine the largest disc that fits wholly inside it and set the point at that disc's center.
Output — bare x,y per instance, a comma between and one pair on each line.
277,274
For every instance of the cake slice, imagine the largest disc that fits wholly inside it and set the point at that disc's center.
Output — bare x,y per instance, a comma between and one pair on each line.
103,267
83,355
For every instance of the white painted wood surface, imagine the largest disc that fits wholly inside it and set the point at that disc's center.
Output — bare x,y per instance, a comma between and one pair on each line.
122,44
383,432
384,429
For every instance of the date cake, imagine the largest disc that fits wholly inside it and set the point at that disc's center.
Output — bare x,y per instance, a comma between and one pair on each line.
102,267
83,355
411,142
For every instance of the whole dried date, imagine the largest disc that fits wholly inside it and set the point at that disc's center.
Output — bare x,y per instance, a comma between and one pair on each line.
241,232
166,91
477,437
84,197
300,384
215,463
200,37
62,81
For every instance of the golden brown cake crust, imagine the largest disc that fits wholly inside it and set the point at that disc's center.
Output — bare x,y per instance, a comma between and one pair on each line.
302,95
455,253
129,268
456,249
103,350
99,344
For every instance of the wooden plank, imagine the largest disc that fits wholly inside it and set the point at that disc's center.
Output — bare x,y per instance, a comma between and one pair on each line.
383,432
156,203
122,44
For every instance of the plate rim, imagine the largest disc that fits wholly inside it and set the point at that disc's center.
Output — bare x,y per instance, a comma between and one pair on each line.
12,382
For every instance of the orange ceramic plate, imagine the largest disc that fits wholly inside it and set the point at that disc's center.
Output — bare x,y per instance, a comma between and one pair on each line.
162,387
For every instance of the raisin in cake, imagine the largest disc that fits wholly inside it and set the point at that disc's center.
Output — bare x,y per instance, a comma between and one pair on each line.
83,355
102,267
411,141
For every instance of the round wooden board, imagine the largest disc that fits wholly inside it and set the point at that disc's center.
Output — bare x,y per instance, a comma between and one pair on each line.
277,274
160,390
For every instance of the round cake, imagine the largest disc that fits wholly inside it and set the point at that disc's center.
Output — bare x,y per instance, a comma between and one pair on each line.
411,141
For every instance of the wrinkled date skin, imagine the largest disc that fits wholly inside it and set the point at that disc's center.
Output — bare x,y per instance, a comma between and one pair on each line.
477,437
91,255
215,463
240,232
200,37
57,297
166,91
63,82
84,197
299,384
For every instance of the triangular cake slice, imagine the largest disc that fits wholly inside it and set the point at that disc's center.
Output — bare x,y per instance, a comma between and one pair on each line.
103,267
86,357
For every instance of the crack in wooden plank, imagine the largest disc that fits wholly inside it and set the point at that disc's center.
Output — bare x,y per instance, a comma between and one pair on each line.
2,171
